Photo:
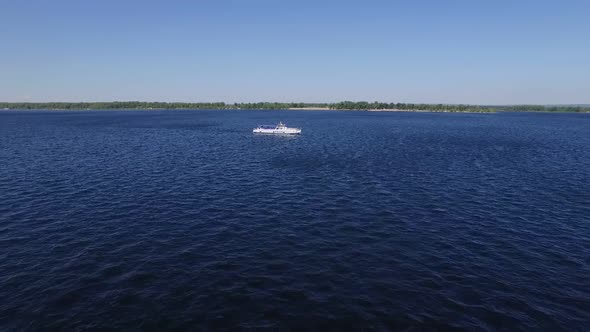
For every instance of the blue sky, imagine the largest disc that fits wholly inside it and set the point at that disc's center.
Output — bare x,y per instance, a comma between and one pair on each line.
483,52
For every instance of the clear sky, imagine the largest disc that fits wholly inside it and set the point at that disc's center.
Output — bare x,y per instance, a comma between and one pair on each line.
471,51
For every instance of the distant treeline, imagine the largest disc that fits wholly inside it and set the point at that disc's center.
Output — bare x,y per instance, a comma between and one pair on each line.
112,105
363,105
344,105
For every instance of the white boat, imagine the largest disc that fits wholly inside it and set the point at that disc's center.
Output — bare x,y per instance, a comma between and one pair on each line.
276,129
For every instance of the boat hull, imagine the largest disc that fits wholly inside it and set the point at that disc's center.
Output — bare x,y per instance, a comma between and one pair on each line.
286,131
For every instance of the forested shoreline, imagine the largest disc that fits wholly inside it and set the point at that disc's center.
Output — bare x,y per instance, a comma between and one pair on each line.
344,105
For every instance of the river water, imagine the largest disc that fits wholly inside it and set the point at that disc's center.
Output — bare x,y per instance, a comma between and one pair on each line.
162,220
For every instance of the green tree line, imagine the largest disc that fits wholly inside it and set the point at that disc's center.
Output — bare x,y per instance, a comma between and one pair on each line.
344,105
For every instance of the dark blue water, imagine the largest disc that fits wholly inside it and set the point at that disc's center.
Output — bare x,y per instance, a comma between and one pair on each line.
186,220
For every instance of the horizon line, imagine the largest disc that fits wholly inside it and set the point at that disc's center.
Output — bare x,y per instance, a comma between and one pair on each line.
290,102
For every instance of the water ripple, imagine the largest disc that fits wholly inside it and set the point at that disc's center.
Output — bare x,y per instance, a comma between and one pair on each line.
184,220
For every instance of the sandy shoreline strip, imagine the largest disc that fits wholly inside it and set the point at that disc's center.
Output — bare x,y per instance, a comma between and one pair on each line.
311,109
